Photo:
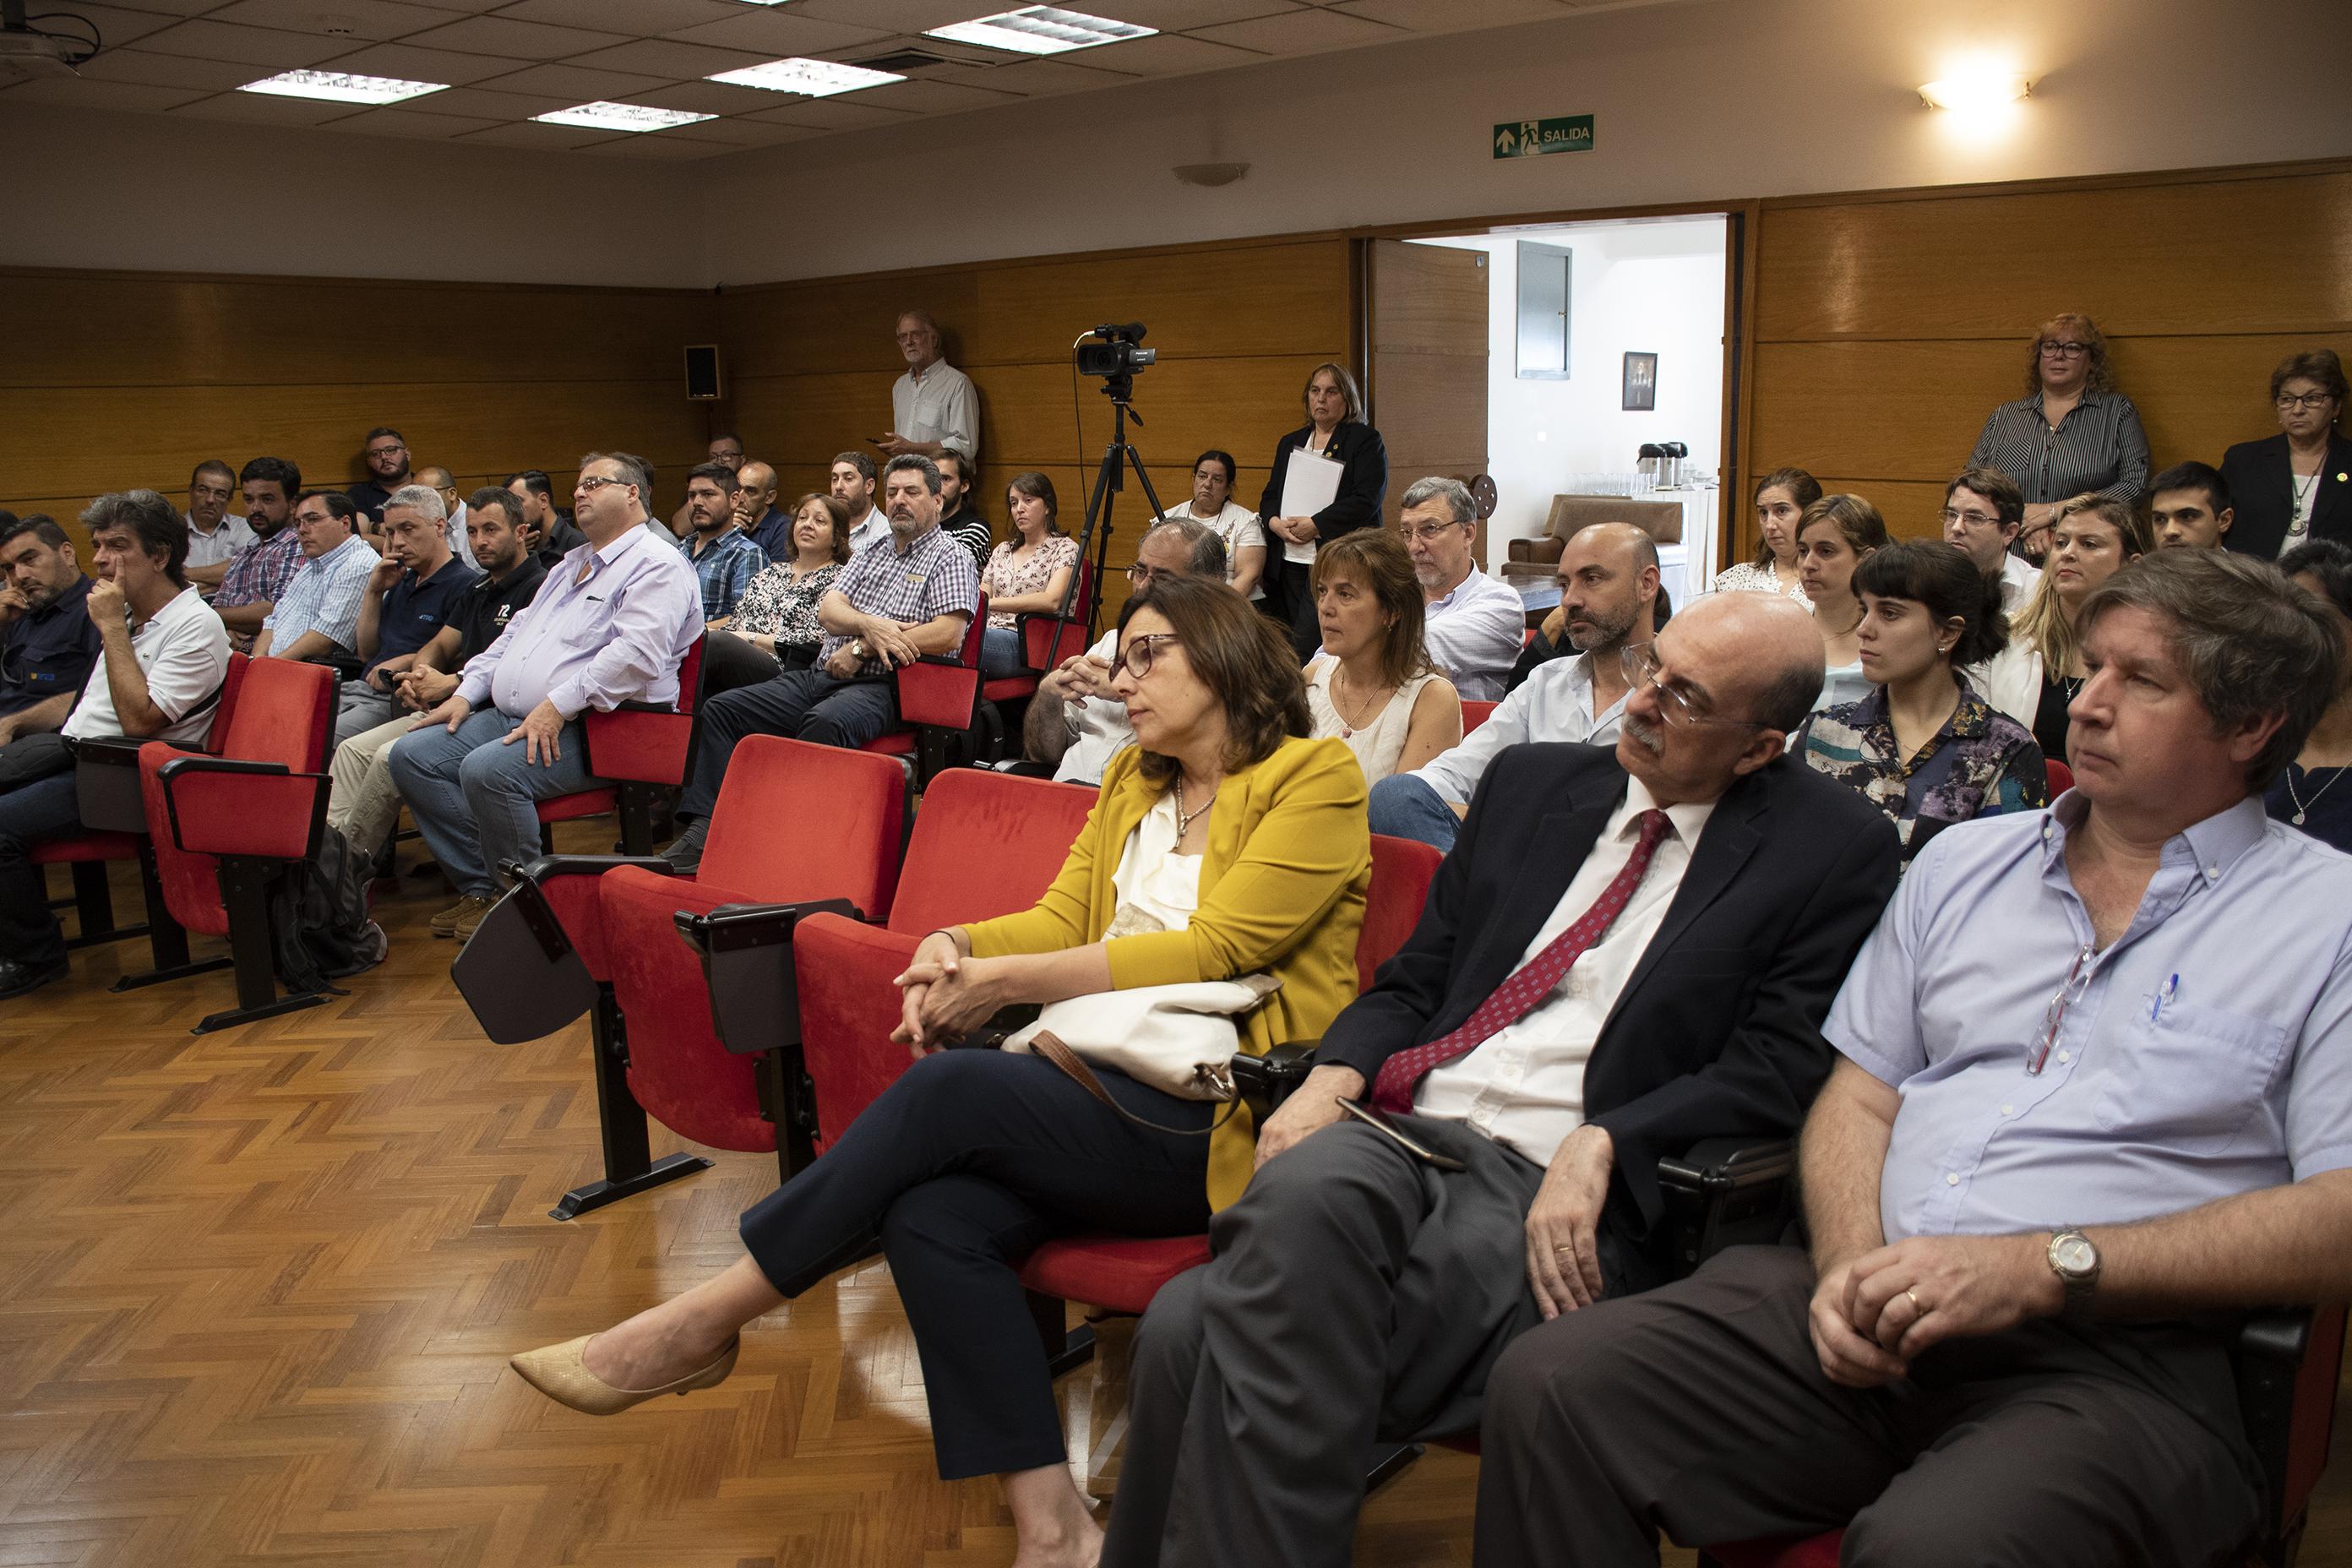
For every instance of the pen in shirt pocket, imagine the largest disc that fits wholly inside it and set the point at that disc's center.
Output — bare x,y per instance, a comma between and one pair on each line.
2163,996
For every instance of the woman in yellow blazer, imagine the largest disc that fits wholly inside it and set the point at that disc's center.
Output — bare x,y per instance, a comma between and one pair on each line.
1225,842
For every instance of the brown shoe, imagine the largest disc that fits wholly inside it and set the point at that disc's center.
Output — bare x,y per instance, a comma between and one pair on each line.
460,919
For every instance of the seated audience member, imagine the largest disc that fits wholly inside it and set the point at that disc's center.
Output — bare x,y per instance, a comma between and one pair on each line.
1212,504
258,573
48,643
853,486
911,595
958,519
1027,574
2035,679
1983,510
164,654
1542,648
363,803
2189,508
318,616
764,522
726,448
1781,495
1923,747
934,407
2071,432
1626,953
388,461
2296,485
551,534
1373,685
2299,796
2012,1344
444,483
410,595
1078,722
213,536
1476,625
775,626
611,626
1227,844
1834,536
1609,584
723,557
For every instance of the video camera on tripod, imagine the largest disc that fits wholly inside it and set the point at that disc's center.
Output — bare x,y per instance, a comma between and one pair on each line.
1114,352
1116,357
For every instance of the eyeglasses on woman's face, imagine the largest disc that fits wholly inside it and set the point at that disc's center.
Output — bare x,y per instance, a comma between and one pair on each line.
2053,349
2289,402
1137,655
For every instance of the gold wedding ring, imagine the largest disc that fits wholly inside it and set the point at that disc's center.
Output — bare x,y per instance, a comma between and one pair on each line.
1917,1310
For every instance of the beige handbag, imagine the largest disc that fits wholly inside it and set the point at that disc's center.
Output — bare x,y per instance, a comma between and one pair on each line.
1180,1039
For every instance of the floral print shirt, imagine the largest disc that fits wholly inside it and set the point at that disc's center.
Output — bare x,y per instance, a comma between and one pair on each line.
1981,763
1006,577
776,607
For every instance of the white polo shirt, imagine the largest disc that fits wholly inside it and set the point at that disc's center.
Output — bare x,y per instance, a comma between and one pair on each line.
184,652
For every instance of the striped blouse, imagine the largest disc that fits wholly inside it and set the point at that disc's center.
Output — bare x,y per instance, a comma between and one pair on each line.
2099,447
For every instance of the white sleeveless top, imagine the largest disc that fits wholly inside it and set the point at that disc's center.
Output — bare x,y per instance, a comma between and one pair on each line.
1378,744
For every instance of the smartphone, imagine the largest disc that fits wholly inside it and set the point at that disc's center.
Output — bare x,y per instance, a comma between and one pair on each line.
1404,1141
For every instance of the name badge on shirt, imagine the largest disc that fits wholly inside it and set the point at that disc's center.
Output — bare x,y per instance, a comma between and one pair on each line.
917,578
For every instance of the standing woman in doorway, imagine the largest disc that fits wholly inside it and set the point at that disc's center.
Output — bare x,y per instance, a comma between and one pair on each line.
1834,535
1781,497
1335,428
2071,432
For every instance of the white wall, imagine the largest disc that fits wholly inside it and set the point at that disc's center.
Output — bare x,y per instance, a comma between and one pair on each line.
1651,286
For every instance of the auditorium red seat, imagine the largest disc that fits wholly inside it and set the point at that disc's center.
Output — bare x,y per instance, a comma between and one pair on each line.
939,706
1045,642
644,749
2062,777
1475,713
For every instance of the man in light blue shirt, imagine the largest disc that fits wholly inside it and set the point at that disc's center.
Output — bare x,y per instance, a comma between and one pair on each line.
2096,1096
318,617
1474,626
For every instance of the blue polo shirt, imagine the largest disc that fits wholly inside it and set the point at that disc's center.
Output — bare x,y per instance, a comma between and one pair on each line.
413,611
773,535
49,651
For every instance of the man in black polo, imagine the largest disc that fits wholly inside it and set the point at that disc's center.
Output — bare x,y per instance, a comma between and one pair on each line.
47,643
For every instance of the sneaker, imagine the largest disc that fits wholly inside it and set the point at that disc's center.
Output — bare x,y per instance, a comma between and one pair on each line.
448,922
471,920
685,851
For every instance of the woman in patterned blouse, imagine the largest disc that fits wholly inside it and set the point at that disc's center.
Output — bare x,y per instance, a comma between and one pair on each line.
2071,431
776,617
1781,497
1027,574
1923,747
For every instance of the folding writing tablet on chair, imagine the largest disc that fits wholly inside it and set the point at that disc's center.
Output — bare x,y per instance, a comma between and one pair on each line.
519,973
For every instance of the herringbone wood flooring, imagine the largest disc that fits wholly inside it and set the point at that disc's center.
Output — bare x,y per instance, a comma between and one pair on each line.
257,1290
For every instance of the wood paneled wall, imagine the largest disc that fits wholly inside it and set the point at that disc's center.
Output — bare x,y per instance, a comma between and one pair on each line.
109,380
1887,326
1238,328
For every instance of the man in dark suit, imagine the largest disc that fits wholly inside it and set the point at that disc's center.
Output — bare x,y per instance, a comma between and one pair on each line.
1626,953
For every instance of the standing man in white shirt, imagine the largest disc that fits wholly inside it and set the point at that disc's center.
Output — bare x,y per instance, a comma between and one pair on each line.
213,536
852,487
1475,626
934,406
1608,594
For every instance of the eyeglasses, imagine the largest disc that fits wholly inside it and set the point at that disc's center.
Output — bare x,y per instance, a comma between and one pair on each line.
1641,662
1973,518
384,451
211,492
2065,351
2288,401
591,483
1143,577
2078,980
1135,657
1415,535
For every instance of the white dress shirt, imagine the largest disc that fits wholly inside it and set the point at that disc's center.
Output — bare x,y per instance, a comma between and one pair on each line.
232,534
460,545
1099,731
182,651
1555,703
2018,580
873,526
940,406
1524,1086
1475,635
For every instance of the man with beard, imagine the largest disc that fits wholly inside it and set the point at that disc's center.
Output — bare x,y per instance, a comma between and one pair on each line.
853,486
725,448
48,643
1609,590
723,557
256,577
548,533
388,461
958,519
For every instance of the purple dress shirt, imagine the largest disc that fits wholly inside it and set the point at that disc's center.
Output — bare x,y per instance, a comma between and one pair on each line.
618,637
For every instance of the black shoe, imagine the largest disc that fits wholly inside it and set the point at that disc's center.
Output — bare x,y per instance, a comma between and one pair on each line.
685,851
16,979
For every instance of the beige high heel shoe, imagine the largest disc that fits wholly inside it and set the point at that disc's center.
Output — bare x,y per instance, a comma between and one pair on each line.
559,1372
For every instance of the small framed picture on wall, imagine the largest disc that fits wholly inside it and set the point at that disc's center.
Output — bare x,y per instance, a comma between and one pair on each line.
1641,381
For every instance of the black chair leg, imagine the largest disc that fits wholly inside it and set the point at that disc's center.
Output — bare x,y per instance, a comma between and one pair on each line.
245,892
167,939
1390,1463
1065,1348
621,1124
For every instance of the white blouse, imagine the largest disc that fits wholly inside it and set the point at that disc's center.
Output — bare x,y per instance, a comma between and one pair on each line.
1747,577
1157,889
1380,744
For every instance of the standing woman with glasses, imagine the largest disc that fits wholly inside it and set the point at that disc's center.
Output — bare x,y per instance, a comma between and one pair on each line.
2297,485
2072,432
1335,428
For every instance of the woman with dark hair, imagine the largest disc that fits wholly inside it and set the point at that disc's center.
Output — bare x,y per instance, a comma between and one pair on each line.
775,625
1335,428
1225,843
2305,795
2296,485
1781,497
1373,686
1027,574
1923,747
2071,432
1834,536
1214,506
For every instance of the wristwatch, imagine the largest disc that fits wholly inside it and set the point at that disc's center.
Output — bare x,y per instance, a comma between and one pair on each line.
2076,1262
857,648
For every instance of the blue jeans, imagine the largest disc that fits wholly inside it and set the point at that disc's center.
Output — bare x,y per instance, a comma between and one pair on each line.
1001,653
472,796
43,809
1403,807
800,704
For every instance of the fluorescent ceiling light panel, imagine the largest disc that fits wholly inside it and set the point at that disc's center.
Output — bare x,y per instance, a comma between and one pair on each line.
620,117
810,79
1041,30
340,87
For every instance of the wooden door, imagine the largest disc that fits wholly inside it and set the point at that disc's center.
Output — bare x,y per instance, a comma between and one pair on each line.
1427,327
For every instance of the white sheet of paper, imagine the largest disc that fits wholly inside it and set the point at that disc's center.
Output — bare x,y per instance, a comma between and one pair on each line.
1310,482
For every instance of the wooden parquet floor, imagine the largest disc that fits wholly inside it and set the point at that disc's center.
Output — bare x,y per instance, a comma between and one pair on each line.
258,1289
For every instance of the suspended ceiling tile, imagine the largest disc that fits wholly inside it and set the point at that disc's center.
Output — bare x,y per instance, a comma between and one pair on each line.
545,138
410,125
914,16
165,7
780,32
635,16
518,41
710,98
494,102
373,20
1302,33
934,97
262,109
664,146
166,70
267,49
1173,54
1452,16
844,113
1037,78
410,63
1176,15
118,26
83,93
669,58
574,85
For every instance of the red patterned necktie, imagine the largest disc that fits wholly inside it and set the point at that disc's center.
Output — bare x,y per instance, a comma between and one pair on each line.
1401,1073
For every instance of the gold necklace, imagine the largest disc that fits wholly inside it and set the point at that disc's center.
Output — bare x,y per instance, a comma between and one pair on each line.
1348,727
1184,822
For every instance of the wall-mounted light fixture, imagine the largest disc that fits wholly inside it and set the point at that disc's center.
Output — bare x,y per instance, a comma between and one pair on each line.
1975,91
1210,175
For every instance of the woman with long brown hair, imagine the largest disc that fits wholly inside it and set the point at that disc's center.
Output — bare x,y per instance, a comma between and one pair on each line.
1781,498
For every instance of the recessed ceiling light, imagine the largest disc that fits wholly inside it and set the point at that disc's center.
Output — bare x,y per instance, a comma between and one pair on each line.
1041,30
340,87
620,117
810,79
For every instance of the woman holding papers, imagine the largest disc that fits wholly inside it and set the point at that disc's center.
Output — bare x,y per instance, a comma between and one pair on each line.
1329,478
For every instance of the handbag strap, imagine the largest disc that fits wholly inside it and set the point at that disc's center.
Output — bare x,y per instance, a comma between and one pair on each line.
1048,1044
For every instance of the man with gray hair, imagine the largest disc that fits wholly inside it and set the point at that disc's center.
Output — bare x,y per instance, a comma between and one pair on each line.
1473,625
934,407
410,597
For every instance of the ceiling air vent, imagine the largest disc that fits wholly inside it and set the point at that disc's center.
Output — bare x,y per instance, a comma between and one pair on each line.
901,61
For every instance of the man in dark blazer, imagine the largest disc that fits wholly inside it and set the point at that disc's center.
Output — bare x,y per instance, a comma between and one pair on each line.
1626,953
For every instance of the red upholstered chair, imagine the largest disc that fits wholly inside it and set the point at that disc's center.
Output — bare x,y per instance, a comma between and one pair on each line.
2062,777
1475,713
938,705
1045,642
643,751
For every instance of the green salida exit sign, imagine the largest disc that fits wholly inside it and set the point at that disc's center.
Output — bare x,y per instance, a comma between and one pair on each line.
1533,138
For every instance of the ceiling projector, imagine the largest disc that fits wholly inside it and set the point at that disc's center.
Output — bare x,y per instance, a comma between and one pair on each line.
24,55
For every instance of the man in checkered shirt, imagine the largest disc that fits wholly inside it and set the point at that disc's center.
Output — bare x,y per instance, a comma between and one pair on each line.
318,616
249,589
899,598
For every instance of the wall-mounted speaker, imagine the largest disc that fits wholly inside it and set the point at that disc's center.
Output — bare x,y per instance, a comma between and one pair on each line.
702,382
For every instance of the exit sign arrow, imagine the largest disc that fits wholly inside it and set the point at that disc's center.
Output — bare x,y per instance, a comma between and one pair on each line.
1534,138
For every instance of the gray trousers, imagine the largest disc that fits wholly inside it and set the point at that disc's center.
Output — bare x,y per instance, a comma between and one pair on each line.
1356,1296
1701,1409
361,708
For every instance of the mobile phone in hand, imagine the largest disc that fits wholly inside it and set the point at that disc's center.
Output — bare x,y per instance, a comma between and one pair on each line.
1404,1141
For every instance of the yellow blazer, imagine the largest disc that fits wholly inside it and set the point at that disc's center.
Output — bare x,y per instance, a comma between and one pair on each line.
1282,890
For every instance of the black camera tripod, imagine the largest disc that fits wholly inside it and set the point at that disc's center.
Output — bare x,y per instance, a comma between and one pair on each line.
1109,479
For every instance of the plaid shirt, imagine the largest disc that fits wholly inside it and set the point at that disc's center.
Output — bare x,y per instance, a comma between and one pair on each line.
724,568
260,572
933,578
323,595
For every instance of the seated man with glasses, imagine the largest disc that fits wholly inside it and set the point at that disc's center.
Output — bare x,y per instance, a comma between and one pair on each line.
2080,1120
388,461
1983,511
1473,625
1627,952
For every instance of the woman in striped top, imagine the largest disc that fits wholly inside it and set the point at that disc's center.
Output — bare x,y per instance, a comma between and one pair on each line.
2072,432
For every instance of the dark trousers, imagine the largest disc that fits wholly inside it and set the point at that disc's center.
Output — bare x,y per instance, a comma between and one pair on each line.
1294,590
1701,1409
31,813
729,662
801,704
1356,1296
962,1168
